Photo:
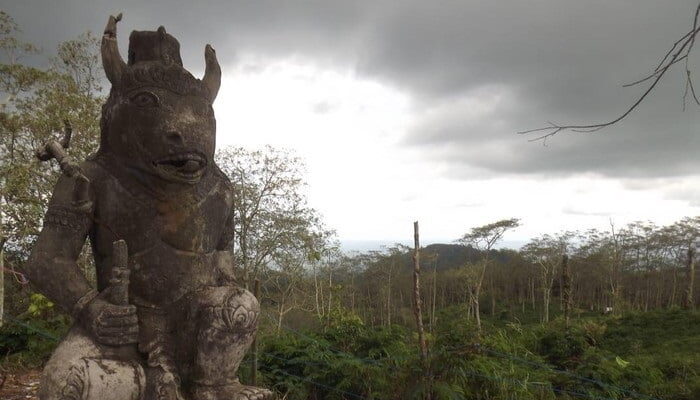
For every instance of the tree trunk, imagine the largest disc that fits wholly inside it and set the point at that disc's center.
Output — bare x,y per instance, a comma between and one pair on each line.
3,239
546,292
279,320
330,292
352,293
319,312
493,299
388,302
672,297
2,281
432,314
244,256
254,346
688,302
477,312
566,288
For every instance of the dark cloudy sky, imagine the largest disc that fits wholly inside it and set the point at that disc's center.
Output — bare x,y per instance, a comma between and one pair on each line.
408,109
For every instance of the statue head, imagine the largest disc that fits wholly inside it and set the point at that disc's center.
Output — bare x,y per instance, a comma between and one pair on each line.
158,119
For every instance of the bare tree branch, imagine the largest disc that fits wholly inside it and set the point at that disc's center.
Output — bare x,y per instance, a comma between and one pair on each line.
680,51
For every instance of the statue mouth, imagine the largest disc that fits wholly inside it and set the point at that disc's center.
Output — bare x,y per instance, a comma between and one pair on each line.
183,167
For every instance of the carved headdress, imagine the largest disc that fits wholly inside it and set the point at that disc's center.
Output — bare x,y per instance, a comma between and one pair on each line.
154,60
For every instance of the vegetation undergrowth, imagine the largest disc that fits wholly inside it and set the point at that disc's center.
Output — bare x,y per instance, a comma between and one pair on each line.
643,356
637,356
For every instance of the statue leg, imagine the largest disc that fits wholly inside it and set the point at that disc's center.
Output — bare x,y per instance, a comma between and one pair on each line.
157,342
78,370
226,319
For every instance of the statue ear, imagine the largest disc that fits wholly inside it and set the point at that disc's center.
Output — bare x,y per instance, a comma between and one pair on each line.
112,61
212,73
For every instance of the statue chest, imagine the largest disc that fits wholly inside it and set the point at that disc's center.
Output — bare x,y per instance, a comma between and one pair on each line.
182,222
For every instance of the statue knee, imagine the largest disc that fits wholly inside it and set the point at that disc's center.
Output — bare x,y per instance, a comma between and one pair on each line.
229,309
102,379
78,369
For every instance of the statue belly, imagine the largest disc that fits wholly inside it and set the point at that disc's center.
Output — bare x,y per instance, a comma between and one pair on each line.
162,274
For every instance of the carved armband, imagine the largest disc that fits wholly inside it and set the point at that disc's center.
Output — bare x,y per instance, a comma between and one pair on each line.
67,217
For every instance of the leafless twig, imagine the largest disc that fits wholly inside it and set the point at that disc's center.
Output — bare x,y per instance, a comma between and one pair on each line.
680,51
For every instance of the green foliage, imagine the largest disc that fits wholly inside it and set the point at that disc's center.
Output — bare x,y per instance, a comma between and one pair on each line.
273,222
592,358
347,357
36,102
462,364
564,347
29,339
39,305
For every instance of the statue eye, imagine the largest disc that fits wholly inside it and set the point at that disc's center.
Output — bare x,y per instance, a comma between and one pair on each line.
145,99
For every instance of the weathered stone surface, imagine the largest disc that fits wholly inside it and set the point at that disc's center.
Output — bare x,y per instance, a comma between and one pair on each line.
166,320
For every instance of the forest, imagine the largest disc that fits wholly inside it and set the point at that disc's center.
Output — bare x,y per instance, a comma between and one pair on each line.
587,314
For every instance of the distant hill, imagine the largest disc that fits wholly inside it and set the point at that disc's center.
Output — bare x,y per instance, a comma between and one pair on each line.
449,255
454,255
362,246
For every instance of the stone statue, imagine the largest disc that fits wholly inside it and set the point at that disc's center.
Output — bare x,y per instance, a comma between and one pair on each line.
166,320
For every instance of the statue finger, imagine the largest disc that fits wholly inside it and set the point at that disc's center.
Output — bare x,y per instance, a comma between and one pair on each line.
110,340
131,339
118,340
116,331
120,311
128,320
127,340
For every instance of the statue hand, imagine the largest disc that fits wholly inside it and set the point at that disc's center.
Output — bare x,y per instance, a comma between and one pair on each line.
110,324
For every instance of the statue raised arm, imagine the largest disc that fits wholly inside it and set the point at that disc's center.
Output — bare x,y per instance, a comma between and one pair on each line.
166,320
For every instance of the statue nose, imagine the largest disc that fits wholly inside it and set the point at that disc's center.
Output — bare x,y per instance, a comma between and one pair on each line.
174,137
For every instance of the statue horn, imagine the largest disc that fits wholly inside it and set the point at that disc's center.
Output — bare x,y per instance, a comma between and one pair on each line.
112,61
212,73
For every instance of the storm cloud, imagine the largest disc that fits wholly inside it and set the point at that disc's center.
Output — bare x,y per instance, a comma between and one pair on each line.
476,71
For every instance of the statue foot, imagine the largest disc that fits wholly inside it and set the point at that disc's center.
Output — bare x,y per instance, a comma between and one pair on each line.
234,391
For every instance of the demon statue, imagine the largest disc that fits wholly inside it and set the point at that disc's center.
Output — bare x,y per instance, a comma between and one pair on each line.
166,320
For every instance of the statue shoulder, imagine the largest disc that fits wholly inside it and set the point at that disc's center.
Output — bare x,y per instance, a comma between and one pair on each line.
224,181
93,170
97,174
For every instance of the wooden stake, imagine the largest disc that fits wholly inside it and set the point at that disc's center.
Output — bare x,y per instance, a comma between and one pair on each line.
417,302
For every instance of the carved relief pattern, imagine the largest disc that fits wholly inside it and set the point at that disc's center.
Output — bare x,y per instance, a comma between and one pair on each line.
66,217
75,387
171,77
235,315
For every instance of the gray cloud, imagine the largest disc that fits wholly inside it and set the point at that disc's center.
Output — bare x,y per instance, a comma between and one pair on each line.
529,62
